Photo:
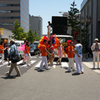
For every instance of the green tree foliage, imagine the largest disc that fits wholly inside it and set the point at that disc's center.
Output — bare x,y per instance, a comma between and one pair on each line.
37,38
73,19
19,34
30,36
18,31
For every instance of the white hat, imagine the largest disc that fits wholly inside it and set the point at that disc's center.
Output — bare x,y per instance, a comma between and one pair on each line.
96,39
12,40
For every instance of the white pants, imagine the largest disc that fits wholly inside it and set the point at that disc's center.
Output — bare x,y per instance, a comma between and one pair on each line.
28,59
95,55
2,58
78,61
71,64
44,59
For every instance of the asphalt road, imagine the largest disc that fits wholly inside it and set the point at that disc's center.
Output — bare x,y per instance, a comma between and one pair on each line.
53,84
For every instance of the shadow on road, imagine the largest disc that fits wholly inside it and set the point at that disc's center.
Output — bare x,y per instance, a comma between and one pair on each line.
9,77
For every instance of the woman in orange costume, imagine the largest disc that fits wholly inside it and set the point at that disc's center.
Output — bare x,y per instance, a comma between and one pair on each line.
27,53
2,52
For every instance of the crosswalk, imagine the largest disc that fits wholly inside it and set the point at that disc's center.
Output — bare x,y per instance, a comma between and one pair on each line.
20,63
63,65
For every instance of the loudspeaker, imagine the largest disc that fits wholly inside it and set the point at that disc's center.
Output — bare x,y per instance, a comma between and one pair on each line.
61,21
59,29
59,25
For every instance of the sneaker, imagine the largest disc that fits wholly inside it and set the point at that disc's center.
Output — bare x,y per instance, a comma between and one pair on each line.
29,65
48,68
18,76
82,72
40,70
7,74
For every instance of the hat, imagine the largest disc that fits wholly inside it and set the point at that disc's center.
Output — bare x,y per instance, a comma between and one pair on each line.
96,39
12,40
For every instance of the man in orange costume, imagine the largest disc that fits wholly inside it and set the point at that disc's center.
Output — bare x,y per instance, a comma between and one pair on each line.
44,55
71,57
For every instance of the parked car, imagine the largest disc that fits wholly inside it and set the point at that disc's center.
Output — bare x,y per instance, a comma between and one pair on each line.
36,43
34,50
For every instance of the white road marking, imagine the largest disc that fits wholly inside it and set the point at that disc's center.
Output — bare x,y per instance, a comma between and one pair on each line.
90,65
32,62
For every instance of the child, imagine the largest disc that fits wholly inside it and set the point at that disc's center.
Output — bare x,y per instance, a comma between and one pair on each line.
44,55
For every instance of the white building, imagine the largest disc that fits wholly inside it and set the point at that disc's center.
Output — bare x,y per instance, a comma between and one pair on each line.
90,13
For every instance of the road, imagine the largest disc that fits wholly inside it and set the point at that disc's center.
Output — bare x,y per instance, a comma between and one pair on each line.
53,84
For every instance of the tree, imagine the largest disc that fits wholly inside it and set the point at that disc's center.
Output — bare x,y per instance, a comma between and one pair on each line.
30,36
36,36
18,31
73,19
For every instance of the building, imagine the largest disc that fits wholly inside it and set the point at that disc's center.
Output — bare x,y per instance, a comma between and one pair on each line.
11,10
6,34
36,24
90,18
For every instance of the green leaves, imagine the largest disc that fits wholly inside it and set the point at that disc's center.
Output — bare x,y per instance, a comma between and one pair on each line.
19,34
73,19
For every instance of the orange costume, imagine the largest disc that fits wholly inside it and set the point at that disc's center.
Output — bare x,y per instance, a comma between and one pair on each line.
71,58
43,50
27,54
27,49
70,54
1,51
44,57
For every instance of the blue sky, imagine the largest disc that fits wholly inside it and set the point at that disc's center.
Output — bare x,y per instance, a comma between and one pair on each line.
48,8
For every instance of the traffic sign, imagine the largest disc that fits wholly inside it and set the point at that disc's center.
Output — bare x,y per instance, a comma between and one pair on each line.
1,31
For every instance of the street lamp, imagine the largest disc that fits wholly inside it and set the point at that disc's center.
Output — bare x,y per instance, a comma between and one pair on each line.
65,14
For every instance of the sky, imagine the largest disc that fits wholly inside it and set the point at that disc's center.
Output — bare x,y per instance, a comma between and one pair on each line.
48,8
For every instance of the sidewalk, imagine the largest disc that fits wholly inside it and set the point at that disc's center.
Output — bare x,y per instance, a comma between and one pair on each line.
89,63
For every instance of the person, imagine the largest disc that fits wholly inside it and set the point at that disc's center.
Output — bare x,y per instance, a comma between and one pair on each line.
25,57
6,50
95,50
50,49
48,29
6,54
71,57
78,57
60,53
2,52
44,55
27,53
13,52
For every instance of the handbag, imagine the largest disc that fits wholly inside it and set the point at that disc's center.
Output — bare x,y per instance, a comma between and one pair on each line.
15,58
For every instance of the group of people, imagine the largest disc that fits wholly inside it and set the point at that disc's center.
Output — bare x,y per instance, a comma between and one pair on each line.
74,51
4,51
11,54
